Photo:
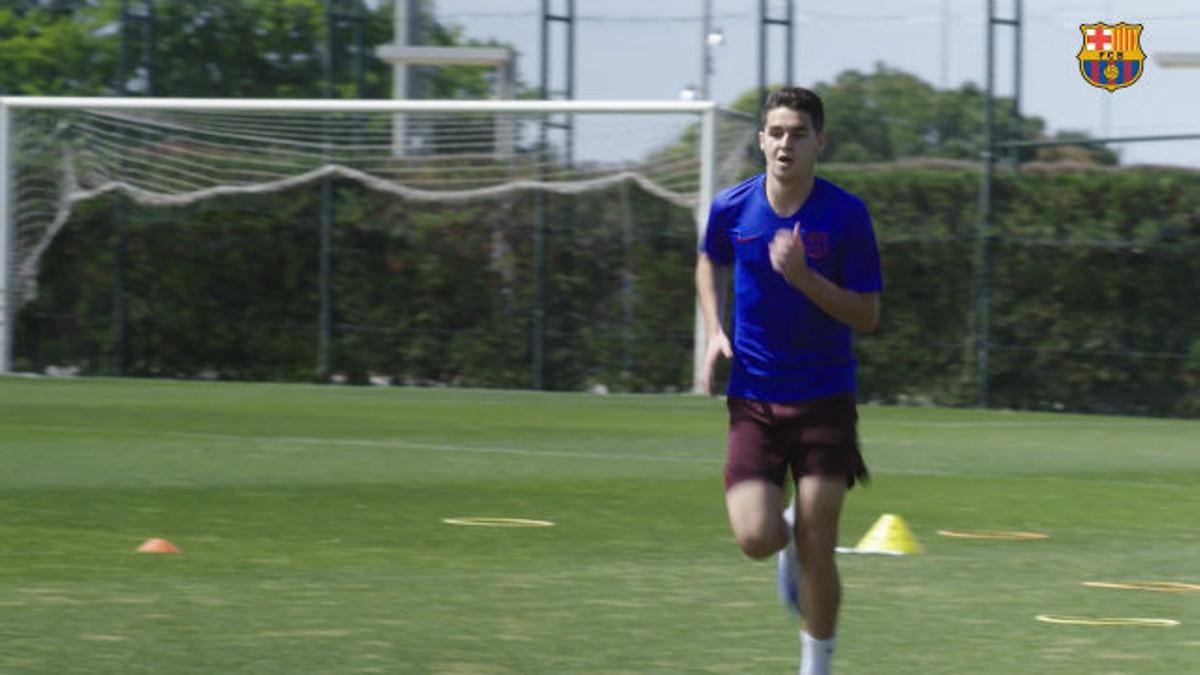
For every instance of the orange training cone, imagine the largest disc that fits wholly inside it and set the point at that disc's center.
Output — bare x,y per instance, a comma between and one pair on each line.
889,534
158,546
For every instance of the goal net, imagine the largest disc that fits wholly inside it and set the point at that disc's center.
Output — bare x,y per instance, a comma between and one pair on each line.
490,243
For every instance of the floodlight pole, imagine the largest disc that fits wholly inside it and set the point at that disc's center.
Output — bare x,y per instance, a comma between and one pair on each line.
145,20
982,259
7,209
538,332
706,60
326,224
765,22
568,92
987,177
1014,121
325,221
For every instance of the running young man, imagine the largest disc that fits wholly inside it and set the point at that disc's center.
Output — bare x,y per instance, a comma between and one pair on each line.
805,268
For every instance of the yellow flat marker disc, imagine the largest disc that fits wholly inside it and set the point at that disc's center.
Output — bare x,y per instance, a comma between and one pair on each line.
482,521
1108,621
998,535
1161,586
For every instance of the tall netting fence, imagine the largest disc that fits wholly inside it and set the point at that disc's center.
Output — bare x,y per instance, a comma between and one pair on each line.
1091,279
476,248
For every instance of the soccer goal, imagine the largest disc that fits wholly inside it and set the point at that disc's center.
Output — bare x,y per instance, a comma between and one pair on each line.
527,171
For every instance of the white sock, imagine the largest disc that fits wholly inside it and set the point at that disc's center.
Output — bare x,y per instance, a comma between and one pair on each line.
816,656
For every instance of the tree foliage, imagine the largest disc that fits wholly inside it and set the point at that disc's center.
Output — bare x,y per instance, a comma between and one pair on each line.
423,293
216,48
889,115
49,48
1091,275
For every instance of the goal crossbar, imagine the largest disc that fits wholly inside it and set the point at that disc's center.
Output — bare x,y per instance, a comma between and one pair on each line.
353,105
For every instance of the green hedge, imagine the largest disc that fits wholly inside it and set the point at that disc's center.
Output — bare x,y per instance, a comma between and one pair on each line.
1093,279
1094,275
422,293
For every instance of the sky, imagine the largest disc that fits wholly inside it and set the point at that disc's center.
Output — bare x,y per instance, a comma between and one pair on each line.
652,49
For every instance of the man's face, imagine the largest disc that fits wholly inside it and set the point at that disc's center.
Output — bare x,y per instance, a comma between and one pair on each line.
790,144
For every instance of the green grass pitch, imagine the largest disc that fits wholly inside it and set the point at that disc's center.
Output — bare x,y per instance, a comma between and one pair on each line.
311,524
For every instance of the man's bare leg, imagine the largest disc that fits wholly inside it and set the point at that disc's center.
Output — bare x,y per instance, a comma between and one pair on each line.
818,508
756,516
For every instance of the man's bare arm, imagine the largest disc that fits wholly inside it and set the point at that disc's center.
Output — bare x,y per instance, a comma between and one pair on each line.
858,310
712,287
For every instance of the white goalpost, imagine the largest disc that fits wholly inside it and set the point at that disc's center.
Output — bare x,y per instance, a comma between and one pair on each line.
56,153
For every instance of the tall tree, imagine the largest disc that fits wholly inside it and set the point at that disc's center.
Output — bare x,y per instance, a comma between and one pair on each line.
216,48
54,47
890,114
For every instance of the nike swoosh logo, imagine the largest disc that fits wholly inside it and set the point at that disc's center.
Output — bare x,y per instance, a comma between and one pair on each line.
742,240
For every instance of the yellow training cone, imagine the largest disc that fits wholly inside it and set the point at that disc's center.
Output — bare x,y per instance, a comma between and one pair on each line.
889,534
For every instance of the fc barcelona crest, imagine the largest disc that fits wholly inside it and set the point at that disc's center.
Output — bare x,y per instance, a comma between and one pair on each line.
1111,57
816,244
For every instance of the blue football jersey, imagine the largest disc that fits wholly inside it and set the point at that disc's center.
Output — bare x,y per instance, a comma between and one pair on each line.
785,347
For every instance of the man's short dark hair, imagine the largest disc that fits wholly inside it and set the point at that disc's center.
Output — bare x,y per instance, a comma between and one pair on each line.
800,100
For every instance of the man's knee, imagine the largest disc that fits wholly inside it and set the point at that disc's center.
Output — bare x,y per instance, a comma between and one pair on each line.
754,514
758,544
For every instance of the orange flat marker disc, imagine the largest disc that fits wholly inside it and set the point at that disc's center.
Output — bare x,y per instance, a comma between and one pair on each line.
158,546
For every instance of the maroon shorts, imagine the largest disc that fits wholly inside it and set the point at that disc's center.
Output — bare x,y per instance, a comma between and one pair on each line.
817,437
